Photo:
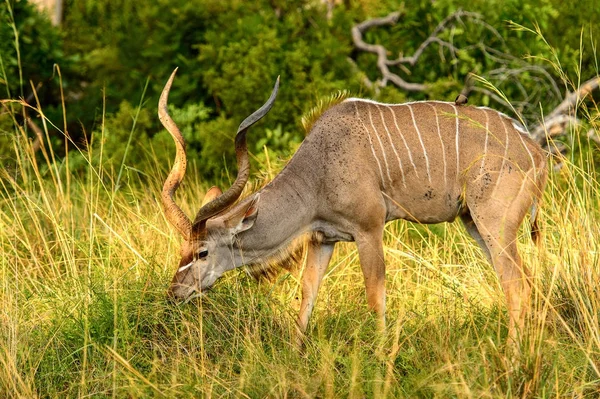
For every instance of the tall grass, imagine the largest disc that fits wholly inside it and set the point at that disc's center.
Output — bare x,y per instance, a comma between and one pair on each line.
83,312
86,261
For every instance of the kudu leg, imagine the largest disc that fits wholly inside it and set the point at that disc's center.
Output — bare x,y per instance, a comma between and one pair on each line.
473,232
370,253
497,228
317,260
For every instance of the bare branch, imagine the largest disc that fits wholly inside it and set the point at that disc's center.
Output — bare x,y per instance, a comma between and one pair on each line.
505,58
511,71
433,38
592,135
38,142
573,99
363,77
563,116
383,63
382,60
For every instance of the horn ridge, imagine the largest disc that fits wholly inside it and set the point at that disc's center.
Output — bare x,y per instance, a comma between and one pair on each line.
226,199
173,212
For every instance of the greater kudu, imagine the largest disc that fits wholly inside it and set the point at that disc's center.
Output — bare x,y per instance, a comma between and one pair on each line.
363,164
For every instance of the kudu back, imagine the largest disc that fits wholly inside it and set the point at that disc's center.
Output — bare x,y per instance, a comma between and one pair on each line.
363,164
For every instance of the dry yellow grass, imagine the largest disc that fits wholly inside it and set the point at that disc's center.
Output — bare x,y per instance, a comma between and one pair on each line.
83,313
86,262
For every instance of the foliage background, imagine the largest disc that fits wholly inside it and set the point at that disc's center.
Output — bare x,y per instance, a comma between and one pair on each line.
117,55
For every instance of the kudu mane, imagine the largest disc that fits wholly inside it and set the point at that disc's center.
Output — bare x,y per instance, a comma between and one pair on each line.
309,118
288,258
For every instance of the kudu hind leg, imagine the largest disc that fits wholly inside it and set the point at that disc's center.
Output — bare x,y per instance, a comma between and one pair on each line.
498,226
317,260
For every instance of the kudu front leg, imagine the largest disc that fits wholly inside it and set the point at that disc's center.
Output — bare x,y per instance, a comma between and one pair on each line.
370,253
317,260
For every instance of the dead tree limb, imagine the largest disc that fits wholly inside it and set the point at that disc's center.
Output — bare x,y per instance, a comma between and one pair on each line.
433,38
573,99
592,135
363,77
39,137
558,120
509,71
383,63
382,60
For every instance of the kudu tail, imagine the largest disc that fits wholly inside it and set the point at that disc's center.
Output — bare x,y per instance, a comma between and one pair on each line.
535,227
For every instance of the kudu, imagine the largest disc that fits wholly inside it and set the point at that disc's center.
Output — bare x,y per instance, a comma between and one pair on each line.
363,164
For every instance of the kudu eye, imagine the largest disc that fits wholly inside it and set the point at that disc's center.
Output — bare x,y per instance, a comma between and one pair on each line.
202,254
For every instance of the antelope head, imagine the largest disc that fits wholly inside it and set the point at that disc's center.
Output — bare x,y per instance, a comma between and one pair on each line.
206,252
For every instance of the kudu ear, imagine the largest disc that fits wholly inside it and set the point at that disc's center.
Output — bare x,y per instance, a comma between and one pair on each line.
211,194
243,218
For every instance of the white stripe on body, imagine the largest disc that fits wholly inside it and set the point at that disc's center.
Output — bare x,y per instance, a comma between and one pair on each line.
485,146
519,128
516,124
392,143
437,121
404,141
371,144
387,167
395,105
421,140
456,142
530,155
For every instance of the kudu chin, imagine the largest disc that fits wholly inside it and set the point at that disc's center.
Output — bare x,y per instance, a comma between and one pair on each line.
363,164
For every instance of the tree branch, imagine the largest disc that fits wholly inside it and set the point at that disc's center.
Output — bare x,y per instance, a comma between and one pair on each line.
573,99
39,137
38,142
382,60
563,116
383,63
433,38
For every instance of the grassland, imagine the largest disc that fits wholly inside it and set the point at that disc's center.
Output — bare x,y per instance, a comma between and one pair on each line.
86,260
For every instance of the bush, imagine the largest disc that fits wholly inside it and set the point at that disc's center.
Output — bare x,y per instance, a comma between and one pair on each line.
29,48
230,53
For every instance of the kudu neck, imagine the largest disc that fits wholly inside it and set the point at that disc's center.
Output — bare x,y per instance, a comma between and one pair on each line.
285,211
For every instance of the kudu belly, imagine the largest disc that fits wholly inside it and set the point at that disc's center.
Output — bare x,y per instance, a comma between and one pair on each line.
424,204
